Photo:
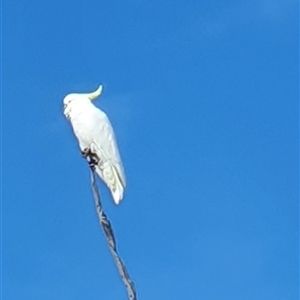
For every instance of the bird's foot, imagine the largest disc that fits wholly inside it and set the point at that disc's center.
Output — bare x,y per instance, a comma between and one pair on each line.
91,158
86,152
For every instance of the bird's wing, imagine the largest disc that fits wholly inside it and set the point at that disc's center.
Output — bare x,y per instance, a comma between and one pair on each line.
104,143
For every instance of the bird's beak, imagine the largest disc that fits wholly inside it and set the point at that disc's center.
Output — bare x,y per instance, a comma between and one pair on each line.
95,94
66,111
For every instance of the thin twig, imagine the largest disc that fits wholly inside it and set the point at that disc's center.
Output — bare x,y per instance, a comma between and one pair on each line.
110,238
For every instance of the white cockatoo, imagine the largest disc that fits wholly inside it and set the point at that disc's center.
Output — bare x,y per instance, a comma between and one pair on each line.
96,139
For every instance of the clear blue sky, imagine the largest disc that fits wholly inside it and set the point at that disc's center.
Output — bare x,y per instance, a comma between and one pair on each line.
203,96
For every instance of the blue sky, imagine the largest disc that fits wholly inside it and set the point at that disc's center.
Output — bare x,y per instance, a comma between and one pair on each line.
203,97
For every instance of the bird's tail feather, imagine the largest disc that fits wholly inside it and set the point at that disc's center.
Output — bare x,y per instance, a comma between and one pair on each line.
113,181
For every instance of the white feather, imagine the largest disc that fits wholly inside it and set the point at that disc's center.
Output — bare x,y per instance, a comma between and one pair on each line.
94,131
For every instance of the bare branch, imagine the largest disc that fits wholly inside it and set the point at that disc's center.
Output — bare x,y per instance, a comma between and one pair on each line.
110,238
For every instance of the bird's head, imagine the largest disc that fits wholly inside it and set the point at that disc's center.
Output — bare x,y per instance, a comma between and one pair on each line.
72,99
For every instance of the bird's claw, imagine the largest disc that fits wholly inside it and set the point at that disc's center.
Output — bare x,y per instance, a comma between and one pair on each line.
91,158
85,152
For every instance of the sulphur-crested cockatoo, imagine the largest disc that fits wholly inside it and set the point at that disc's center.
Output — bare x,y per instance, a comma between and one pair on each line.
96,139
